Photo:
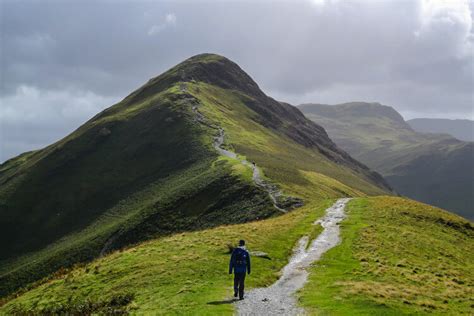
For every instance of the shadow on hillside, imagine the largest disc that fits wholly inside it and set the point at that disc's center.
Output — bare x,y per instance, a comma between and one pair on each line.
229,301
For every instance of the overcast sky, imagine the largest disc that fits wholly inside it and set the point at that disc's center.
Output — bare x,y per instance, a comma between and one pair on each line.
63,61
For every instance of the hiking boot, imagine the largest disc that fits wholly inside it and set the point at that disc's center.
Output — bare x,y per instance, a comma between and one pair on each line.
235,294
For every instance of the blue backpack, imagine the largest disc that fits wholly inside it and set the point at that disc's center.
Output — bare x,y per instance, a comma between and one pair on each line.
240,257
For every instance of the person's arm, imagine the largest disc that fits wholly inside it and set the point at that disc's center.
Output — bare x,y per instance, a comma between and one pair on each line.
231,263
248,263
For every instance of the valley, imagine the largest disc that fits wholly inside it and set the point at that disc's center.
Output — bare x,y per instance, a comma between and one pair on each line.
433,168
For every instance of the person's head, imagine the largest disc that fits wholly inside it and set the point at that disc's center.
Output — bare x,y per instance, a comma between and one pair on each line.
241,243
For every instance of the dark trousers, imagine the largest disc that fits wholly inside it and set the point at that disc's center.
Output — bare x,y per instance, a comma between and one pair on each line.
239,280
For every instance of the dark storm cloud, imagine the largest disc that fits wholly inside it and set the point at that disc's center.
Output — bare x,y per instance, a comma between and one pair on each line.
62,61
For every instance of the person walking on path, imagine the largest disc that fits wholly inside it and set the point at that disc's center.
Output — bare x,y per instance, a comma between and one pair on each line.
239,264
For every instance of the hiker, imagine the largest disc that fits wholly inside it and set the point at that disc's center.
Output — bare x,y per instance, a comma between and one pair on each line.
240,264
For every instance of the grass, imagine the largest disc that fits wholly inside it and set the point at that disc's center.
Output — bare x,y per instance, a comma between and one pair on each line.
282,160
238,169
182,274
396,257
189,200
140,181
91,171
145,168
314,232
182,267
122,174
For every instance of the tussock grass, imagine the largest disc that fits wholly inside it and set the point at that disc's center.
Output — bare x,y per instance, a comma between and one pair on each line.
182,274
397,256
316,229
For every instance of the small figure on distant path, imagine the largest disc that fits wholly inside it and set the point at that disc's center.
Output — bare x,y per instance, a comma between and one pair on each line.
240,264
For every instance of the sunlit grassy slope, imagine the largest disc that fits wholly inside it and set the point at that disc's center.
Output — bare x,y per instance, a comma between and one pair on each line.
397,256
300,170
146,168
154,174
182,274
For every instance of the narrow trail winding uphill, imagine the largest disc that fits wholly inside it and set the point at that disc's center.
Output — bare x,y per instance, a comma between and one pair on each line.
278,299
273,192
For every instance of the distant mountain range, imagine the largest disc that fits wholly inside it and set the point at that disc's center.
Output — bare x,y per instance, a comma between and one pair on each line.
434,168
460,129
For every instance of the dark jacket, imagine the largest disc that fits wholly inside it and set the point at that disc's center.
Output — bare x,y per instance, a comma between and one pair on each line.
239,261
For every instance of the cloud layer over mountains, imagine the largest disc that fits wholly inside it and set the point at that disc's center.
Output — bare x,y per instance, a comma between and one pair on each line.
64,61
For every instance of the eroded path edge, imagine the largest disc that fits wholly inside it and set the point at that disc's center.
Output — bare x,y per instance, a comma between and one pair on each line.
279,298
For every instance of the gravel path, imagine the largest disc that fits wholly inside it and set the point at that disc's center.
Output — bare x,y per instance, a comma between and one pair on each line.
272,190
278,299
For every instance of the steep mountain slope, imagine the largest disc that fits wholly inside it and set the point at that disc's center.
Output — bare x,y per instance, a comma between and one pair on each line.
436,169
460,129
396,257
150,166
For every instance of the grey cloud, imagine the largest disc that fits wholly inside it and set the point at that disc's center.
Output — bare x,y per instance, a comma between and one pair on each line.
31,118
407,54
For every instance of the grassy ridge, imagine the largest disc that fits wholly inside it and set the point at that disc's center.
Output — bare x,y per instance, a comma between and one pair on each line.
177,185
396,257
165,207
181,274
192,198
151,170
147,167
66,186
301,170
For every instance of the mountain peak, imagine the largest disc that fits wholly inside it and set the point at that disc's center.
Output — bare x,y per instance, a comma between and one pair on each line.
374,109
357,109
206,58
208,68
217,70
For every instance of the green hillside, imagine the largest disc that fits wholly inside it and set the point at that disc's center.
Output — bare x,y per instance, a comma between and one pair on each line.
148,167
396,257
436,169
163,246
